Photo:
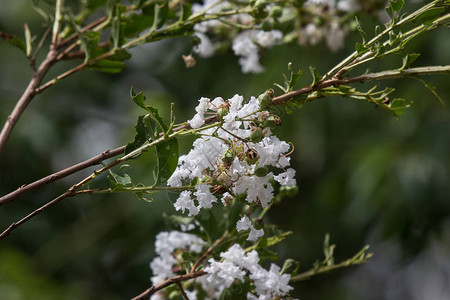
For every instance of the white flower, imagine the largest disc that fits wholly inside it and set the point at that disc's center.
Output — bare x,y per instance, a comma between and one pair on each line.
236,264
267,39
198,119
205,48
271,282
204,196
348,5
286,178
312,33
335,37
184,202
244,223
223,273
166,243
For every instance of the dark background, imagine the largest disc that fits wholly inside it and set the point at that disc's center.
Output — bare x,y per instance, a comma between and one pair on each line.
364,176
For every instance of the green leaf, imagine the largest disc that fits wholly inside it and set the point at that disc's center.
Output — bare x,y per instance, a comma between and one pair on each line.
120,55
14,40
115,27
135,24
360,48
408,60
430,15
398,105
290,266
361,30
167,154
397,5
27,39
107,66
316,77
140,138
119,181
139,99
186,11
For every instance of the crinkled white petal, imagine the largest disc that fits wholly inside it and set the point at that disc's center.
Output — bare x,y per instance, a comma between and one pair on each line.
286,178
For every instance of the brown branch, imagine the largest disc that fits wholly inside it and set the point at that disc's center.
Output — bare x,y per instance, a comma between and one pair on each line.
73,36
168,282
183,293
27,96
208,252
66,55
61,174
70,192
72,71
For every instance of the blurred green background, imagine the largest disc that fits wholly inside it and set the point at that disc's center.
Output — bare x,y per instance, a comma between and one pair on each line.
364,176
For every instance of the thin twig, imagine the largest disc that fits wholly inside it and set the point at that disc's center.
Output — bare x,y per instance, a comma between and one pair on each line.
61,174
56,24
70,192
78,68
209,251
38,48
183,293
168,282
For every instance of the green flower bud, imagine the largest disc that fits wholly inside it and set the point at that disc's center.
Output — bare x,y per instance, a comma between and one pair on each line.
266,98
228,156
256,136
261,171
222,112
289,191
276,11
272,121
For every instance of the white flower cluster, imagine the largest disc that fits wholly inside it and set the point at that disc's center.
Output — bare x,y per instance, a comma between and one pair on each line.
165,245
246,44
233,158
331,30
236,265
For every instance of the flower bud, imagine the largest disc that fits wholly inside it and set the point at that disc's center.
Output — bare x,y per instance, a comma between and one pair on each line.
272,121
256,136
289,191
276,11
266,98
222,112
228,156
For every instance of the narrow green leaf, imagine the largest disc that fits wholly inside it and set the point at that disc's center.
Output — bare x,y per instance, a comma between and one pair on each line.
14,40
316,77
408,60
397,5
27,39
119,181
115,27
398,105
140,138
107,66
432,89
361,31
140,196
430,15
295,76
167,160
139,100
360,48
186,11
